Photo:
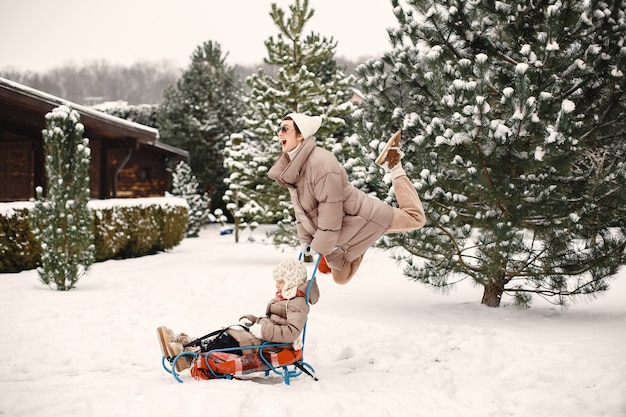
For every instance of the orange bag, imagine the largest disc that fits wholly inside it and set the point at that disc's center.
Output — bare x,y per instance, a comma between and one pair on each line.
223,363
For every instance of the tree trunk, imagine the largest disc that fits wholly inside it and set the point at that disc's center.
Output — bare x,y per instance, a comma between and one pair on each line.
492,294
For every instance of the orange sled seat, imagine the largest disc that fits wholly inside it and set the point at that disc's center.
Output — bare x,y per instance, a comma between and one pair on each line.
220,364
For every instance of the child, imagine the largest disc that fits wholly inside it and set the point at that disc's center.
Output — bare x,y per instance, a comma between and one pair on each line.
283,322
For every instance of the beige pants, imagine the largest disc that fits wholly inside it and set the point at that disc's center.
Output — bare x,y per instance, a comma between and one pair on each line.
408,216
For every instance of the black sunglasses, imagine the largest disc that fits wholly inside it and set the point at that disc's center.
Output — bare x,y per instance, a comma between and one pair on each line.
282,129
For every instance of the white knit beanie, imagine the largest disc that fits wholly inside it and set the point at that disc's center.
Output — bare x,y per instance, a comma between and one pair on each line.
293,273
308,125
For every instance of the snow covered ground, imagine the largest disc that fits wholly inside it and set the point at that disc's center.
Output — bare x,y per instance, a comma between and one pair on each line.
381,346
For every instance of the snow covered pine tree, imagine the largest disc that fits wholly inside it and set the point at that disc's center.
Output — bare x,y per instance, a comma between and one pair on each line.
185,185
513,117
61,220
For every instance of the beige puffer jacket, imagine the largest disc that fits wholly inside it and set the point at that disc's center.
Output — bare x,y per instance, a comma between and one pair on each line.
283,322
339,220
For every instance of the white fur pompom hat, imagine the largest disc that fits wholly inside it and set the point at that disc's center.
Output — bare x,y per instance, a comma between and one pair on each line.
293,273
308,125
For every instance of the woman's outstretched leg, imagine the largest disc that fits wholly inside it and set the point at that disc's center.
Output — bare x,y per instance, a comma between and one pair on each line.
410,213
408,216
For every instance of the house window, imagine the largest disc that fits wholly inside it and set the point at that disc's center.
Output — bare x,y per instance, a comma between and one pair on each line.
143,174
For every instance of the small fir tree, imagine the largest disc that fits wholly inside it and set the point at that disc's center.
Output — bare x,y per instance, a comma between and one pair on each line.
239,163
62,222
185,185
513,116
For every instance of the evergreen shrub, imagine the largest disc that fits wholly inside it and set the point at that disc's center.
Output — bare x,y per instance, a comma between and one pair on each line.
142,231
173,224
121,231
110,233
19,249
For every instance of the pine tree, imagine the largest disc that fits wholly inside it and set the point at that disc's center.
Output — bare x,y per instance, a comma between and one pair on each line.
308,81
62,222
239,162
513,118
200,112
185,185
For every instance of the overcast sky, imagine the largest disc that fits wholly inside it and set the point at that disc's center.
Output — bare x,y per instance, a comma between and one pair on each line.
39,35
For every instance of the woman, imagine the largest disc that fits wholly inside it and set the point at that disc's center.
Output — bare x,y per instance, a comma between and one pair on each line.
333,217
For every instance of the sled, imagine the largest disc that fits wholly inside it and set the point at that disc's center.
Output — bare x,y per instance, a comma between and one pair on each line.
271,358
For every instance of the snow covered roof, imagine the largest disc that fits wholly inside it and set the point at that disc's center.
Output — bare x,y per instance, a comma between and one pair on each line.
26,103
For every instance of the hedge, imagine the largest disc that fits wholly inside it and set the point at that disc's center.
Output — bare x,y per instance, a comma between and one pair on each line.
123,228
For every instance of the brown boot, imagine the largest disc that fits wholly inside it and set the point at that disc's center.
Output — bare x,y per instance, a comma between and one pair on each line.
184,362
172,346
391,154
165,337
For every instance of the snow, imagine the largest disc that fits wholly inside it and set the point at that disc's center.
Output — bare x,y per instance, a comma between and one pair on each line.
568,106
539,153
8,209
381,345
521,68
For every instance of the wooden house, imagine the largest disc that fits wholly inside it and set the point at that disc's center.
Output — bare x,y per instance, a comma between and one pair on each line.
127,159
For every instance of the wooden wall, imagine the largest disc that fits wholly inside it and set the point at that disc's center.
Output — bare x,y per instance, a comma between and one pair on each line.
144,173
17,170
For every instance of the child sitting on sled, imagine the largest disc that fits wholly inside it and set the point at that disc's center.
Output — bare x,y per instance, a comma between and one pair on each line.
283,322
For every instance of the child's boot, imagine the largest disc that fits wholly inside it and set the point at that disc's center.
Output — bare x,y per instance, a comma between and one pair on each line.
165,336
172,346
184,362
